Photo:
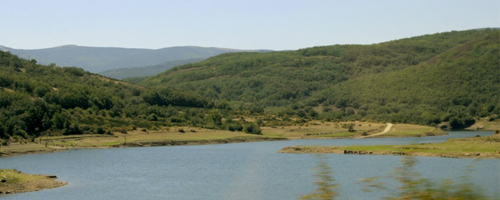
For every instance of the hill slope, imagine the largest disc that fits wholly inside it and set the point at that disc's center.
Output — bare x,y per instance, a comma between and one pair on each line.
314,76
48,100
454,86
98,59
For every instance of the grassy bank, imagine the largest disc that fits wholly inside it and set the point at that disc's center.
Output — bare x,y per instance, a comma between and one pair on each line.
167,136
162,137
318,130
13,181
486,123
410,130
475,147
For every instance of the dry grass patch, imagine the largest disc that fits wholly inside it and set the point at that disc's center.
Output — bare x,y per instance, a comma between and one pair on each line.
189,134
317,129
486,124
410,130
174,133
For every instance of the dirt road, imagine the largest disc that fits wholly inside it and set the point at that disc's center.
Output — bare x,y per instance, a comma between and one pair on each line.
386,130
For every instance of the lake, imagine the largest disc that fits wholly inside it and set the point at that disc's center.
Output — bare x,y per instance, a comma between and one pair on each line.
233,171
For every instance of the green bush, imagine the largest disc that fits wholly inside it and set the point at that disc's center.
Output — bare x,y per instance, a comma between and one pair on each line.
252,129
234,127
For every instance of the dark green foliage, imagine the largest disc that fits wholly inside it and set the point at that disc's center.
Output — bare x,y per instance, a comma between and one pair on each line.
461,82
416,80
73,130
461,123
37,100
100,130
234,127
252,129
349,127
448,77
170,96
313,113
281,78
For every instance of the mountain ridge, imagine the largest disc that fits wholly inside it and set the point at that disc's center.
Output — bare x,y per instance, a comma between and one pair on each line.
98,59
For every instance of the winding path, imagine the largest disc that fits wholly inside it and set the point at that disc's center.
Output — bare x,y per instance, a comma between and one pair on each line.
387,129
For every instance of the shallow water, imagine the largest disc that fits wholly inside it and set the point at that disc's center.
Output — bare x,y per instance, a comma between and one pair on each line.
232,171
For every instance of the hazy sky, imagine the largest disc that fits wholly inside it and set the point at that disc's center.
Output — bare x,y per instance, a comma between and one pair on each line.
253,24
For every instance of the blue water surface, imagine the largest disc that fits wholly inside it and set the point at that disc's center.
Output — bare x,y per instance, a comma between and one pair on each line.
234,171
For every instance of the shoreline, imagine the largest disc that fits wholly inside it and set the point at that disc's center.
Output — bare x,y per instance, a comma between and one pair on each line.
340,150
13,181
472,147
5,152
240,139
48,181
146,143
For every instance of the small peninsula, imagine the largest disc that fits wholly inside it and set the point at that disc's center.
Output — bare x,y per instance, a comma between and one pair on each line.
13,181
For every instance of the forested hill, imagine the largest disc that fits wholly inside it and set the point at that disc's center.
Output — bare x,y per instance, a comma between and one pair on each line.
98,59
43,100
328,75
456,86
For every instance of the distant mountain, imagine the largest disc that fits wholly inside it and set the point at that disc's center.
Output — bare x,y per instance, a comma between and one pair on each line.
99,59
147,70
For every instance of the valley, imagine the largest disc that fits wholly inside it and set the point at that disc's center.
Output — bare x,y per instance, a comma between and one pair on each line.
401,90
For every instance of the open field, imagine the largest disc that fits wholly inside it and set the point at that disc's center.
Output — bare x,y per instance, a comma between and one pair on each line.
410,130
13,181
172,133
318,129
475,147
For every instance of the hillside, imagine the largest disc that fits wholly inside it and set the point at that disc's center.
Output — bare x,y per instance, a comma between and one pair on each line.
40,100
288,82
147,70
99,59
456,86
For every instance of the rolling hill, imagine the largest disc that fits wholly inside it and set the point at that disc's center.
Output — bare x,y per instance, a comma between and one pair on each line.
426,79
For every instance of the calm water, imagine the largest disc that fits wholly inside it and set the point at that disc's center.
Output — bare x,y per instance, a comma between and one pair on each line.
231,171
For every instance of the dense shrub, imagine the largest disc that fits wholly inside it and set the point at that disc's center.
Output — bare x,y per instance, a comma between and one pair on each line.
252,129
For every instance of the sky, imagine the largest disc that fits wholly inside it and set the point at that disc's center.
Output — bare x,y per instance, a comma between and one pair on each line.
238,24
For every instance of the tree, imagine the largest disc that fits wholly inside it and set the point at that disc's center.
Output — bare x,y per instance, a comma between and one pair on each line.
313,113
350,127
252,129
